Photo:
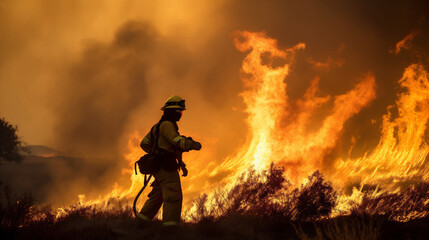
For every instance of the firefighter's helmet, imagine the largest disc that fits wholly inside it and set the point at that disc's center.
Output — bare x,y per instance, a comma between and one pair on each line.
174,102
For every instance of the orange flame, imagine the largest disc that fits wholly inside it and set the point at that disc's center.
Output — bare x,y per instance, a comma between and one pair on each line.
402,151
277,127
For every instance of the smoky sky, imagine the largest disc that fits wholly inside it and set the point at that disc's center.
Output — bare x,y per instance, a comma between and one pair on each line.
110,82
80,76
102,89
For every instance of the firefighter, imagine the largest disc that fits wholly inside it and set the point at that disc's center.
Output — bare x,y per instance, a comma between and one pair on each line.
167,189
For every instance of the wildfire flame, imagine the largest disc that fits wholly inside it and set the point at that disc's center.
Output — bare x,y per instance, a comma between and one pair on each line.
402,151
277,127
279,132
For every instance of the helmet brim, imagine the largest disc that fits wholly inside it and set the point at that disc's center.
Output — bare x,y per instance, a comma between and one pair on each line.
173,107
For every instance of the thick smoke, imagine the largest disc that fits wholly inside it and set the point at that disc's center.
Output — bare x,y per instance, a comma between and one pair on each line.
103,89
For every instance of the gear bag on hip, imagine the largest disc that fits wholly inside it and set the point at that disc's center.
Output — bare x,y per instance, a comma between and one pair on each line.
148,164
152,162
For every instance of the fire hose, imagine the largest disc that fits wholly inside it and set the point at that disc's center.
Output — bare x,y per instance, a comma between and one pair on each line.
146,181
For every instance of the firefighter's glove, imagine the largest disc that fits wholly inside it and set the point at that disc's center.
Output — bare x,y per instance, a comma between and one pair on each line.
185,171
196,145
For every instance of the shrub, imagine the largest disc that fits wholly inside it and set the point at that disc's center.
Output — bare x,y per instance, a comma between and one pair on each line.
315,199
254,193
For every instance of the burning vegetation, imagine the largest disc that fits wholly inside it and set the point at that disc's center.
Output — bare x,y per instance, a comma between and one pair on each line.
264,201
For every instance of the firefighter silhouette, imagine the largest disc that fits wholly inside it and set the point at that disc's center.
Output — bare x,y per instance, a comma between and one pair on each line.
167,188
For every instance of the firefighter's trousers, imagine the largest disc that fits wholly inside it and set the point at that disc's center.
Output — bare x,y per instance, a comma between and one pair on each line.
167,190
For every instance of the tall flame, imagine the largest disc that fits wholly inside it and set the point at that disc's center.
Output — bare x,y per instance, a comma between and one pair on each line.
278,128
402,151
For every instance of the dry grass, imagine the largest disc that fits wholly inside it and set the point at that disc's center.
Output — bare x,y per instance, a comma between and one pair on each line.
343,228
411,203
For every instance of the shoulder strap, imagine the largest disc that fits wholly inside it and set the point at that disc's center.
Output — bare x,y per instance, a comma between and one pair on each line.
155,146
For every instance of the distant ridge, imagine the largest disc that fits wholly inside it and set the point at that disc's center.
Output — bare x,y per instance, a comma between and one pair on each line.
41,151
